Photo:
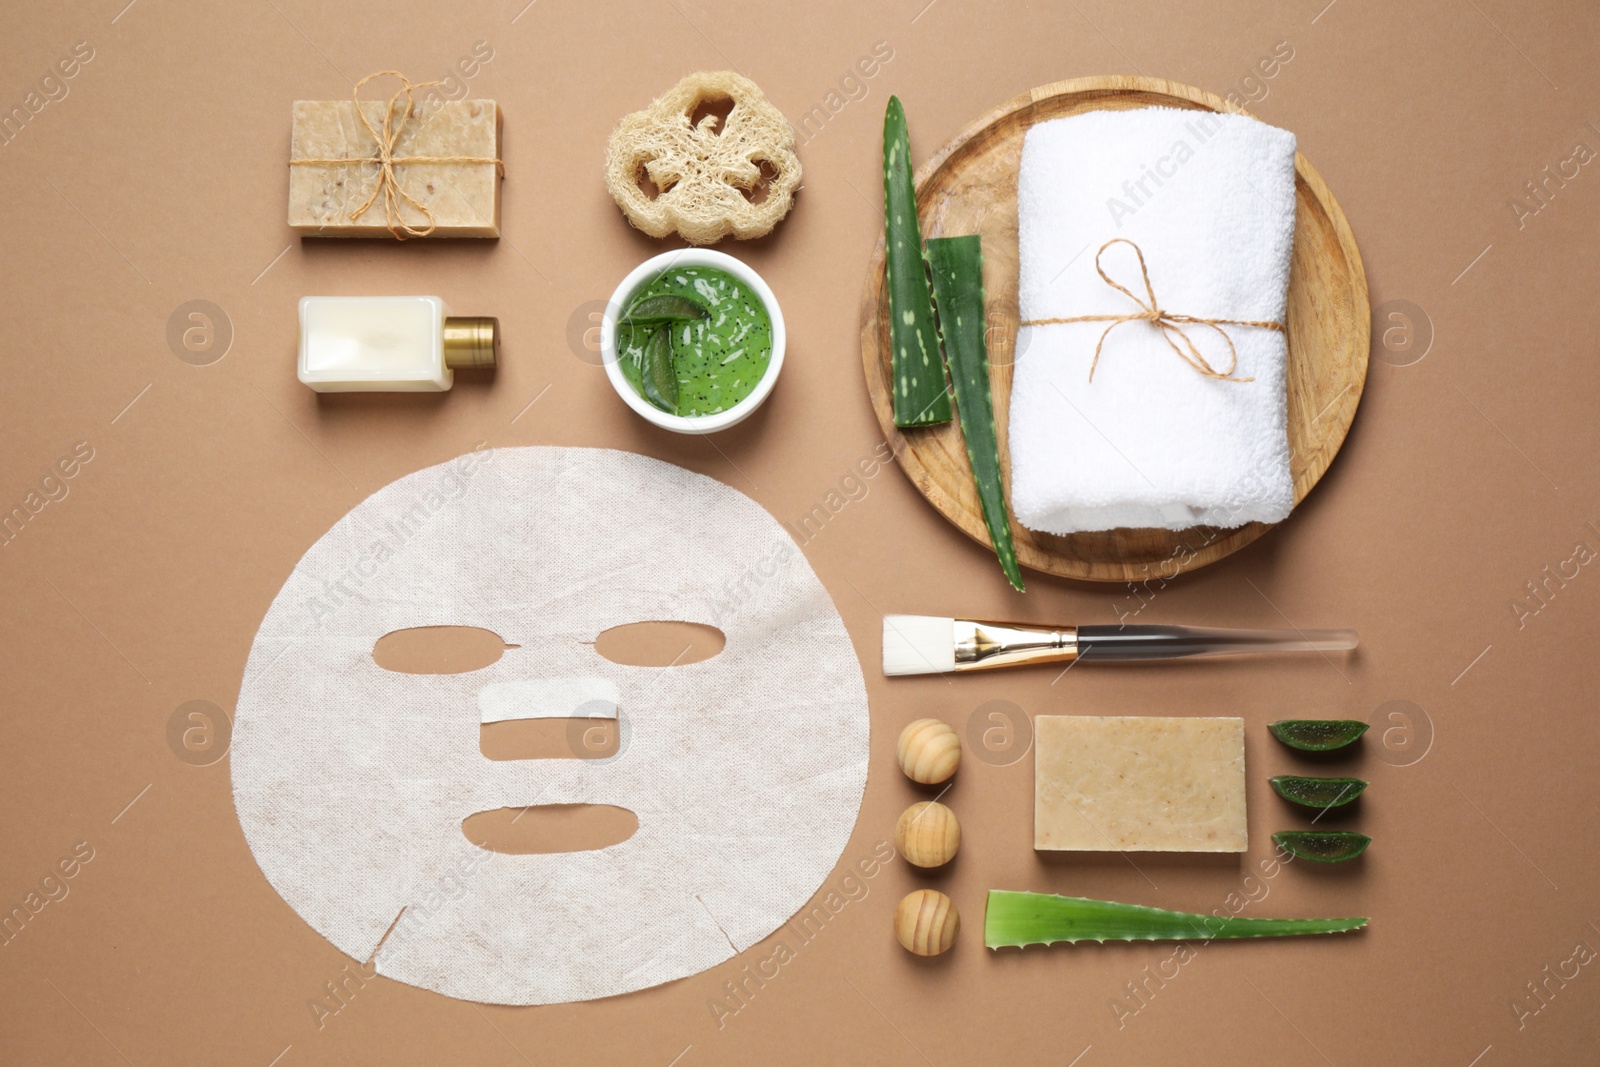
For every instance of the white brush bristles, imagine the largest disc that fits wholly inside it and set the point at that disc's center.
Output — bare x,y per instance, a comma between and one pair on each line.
918,644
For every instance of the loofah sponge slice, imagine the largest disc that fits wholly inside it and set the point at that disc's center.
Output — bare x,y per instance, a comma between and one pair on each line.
704,174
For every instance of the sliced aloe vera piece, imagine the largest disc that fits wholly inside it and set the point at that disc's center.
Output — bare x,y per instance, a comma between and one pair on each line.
1317,792
1318,735
1012,920
957,267
655,310
921,397
1323,846
660,377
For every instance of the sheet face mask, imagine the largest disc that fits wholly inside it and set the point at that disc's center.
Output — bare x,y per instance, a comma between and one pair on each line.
745,770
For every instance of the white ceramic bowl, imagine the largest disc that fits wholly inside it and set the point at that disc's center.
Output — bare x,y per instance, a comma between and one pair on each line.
646,272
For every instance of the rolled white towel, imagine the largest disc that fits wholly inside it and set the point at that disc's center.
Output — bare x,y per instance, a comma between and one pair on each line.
1151,441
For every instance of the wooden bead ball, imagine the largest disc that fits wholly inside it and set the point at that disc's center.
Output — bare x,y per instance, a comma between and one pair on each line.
925,922
929,751
927,834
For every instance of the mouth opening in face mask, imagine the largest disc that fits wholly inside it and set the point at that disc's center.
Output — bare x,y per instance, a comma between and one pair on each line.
543,829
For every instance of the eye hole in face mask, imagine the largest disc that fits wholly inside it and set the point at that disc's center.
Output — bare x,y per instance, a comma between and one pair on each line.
438,649
570,738
542,829
660,643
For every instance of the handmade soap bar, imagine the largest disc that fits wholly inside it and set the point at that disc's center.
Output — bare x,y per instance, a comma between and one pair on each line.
463,198
1135,784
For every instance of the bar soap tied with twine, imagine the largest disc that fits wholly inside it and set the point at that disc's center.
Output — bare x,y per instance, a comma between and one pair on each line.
1169,323
401,168
1149,386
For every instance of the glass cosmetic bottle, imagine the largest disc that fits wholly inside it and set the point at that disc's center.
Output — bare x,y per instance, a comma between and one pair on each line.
395,344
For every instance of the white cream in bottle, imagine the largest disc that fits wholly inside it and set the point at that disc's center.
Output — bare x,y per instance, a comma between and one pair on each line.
389,343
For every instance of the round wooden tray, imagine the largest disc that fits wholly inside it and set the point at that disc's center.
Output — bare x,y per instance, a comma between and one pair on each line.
970,186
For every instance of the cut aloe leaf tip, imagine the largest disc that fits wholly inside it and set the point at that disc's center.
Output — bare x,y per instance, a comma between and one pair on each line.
1322,846
667,307
1321,793
660,376
1318,735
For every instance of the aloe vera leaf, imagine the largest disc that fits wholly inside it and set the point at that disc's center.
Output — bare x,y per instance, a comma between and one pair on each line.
654,310
956,264
1322,846
921,397
1012,920
1324,793
1318,735
659,377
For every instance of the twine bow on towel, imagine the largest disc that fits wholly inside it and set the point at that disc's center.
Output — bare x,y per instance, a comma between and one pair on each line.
388,184
1169,323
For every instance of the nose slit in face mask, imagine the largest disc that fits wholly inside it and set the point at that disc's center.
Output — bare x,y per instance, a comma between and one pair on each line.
549,698
550,718
595,737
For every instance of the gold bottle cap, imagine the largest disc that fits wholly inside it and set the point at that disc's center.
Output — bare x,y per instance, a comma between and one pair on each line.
471,341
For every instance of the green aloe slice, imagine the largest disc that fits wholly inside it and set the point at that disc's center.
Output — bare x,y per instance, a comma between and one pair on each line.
1323,846
660,376
956,264
921,397
1012,920
1318,792
1318,735
668,307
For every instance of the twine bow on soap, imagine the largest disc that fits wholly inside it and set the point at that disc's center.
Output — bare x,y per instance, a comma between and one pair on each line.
388,185
1169,323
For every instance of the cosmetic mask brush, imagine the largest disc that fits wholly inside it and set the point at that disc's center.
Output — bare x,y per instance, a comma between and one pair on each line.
928,644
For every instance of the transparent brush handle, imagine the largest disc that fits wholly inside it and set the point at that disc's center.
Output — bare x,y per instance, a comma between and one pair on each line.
1129,643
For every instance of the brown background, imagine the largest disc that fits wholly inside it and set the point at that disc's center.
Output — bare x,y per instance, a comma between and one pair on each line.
160,179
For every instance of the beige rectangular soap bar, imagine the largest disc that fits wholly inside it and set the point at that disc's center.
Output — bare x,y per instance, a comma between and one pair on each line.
463,197
1138,784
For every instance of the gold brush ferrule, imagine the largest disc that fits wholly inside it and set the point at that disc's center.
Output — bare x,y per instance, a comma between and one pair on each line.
981,645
